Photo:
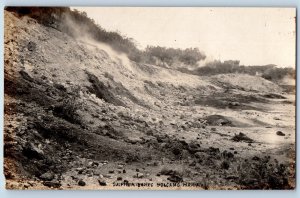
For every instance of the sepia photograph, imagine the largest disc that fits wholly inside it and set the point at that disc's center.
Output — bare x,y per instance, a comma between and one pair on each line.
150,98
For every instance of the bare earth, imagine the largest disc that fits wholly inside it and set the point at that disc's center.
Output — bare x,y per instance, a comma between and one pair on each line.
80,116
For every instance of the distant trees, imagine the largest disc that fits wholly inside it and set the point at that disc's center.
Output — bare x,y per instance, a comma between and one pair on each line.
45,15
152,54
170,56
269,72
191,56
162,56
276,74
218,67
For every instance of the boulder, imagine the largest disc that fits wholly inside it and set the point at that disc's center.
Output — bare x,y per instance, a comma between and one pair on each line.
119,178
102,182
31,151
81,183
241,137
193,147
280,133
140,175
234,104
47,176
255,158
225,165
31,46
175,178
52,184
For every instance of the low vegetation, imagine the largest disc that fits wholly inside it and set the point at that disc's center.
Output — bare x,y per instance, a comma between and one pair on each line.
264,173
68,107
269,72
64,19
171,57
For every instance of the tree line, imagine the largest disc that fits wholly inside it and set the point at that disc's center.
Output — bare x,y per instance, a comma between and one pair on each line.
157,55
54,17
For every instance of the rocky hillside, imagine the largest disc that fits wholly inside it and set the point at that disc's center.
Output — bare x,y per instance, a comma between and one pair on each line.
80,115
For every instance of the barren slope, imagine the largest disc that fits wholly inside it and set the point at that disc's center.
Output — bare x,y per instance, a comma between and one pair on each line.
75,111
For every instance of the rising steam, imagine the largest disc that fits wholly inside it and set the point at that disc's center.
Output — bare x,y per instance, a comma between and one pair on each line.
81,34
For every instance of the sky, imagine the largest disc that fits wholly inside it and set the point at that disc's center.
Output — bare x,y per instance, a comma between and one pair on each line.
255,36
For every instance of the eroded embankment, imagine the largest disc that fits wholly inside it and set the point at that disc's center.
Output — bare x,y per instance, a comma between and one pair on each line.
78,116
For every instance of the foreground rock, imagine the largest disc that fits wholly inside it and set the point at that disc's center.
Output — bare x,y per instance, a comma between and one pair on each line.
280,133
